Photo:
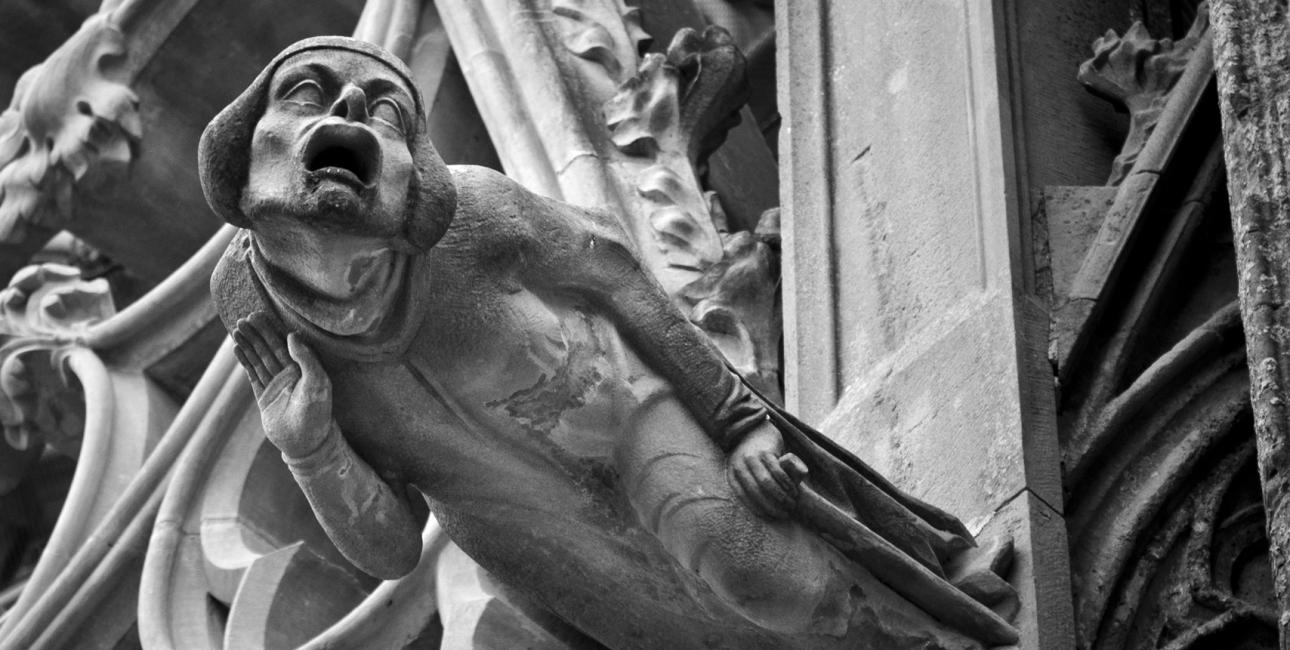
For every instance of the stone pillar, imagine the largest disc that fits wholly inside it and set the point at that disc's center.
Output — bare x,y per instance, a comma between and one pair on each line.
1251,45
912,331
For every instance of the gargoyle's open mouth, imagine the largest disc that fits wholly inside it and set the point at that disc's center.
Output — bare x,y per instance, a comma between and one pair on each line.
345,152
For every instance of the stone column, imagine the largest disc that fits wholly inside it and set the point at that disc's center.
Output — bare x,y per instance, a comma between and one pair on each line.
912,332
1251,46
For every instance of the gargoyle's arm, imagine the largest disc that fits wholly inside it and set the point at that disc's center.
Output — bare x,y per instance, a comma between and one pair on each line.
368,521
586,251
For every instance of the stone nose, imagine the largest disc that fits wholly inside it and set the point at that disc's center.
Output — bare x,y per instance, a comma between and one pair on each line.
351,105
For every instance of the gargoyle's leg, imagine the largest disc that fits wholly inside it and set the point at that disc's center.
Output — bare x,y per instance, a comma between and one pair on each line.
774,572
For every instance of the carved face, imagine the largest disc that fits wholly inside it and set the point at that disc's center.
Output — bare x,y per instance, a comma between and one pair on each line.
331,151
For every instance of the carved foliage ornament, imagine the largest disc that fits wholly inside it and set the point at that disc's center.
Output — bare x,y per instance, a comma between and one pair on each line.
608,34
73,121
45,308
736,303
1136,72
667,119
673,113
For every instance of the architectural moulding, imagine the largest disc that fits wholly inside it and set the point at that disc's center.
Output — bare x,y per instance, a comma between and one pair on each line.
911,328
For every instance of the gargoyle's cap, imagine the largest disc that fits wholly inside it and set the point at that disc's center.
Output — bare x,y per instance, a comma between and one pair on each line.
224,155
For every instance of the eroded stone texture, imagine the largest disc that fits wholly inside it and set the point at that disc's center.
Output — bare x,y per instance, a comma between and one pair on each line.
1251,45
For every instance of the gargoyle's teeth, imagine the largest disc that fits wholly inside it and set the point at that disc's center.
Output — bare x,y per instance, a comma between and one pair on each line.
342,158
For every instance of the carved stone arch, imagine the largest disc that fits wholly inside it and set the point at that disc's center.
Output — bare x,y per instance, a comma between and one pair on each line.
1165,531
1201,578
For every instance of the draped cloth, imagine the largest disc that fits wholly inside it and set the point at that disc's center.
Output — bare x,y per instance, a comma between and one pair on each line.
901,540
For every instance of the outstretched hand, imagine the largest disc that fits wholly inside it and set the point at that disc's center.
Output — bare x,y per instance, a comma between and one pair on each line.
762,476
290,385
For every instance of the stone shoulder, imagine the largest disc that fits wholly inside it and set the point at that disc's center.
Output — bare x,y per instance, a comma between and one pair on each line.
495,211
233,290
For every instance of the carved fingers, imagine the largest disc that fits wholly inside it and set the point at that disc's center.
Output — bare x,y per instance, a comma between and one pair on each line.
290,385
765,486
794,467
766,481
263,354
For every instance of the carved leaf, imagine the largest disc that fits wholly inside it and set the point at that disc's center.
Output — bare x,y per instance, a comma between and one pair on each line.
734,302
668,117
52,301
1134,69
43,310
69,122
644,117
605,32
686,101
676,218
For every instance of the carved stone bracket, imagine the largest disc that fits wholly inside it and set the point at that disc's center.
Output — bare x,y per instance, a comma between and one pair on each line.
73,121
1136,72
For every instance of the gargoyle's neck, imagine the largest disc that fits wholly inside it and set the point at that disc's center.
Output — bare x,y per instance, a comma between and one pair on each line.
343,284
340,267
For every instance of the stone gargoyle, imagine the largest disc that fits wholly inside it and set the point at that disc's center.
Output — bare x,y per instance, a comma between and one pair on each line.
406,323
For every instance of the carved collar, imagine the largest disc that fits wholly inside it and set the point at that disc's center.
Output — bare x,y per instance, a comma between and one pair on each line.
400,309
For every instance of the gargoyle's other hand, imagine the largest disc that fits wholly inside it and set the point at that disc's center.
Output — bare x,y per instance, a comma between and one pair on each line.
765,478
290,385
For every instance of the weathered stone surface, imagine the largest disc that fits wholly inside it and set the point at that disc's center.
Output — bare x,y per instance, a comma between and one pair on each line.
1251,44
1068,137
1073,217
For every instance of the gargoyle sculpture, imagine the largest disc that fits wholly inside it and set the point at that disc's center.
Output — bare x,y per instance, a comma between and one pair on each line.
409,324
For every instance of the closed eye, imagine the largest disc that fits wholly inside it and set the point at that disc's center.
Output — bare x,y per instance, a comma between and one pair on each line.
389,112
307,92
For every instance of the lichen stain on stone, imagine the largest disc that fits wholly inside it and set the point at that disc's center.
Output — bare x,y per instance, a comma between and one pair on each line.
540,407
570,386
